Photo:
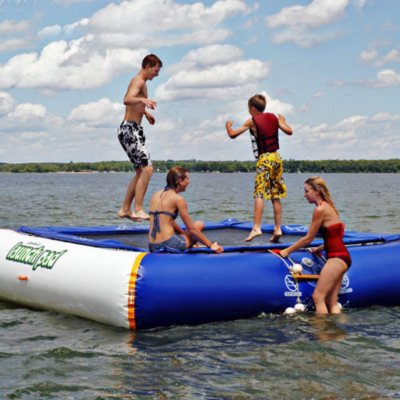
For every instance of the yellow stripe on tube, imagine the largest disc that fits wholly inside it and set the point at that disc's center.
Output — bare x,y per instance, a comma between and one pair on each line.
132,290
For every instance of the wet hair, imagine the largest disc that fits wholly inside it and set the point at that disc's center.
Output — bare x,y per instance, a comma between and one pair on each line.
319,185
151,60
174,175
258,101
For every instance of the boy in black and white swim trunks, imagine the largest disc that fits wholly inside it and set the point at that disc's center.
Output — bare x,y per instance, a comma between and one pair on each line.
132,139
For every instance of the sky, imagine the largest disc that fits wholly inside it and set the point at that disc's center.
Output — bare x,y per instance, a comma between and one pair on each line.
331,67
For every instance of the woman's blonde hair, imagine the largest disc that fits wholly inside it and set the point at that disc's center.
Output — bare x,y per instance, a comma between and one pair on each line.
319,185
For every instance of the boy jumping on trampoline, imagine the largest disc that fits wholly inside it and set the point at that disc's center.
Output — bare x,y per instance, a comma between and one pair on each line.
133,140
269,183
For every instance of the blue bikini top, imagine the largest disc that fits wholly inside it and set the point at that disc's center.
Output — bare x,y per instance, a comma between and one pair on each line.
156,222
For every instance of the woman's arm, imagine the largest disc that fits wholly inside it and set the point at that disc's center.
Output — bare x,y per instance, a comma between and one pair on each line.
317,250
187,220
316,222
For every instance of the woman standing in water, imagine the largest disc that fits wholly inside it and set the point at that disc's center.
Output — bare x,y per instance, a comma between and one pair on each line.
325,220
165,206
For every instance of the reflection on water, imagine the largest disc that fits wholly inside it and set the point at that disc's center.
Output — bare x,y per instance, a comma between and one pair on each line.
46,355
326,327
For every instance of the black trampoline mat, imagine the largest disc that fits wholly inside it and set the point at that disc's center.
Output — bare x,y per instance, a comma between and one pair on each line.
225,237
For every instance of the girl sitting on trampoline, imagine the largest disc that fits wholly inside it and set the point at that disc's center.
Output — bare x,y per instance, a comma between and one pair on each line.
165,206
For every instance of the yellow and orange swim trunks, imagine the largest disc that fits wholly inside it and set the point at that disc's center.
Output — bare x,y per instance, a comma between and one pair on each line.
269,183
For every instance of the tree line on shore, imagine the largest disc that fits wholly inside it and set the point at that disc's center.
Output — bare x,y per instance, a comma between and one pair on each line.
307,166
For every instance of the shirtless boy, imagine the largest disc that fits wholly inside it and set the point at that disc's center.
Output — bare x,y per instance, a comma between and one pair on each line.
132,139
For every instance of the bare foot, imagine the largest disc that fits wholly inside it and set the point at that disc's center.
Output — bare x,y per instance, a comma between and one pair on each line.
141,214
275,237
126,214
336,309
254,233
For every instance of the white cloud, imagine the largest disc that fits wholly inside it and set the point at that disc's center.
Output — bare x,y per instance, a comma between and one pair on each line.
12,27
28,111
100,113
384,78
76,25
140,39
304,39
385,117
326,141
212,72
14,44
42,136
56,30
233,74
374,58
49,31
28,116
7,103
214,83
391,56
171,23
11,39
36,127
126,24
368,56
68,65
354,121
116,43
163,15
314,15
299,22
208,56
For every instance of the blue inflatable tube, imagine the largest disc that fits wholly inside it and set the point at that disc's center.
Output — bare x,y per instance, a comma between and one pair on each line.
375,280
209,288
171,291
107,274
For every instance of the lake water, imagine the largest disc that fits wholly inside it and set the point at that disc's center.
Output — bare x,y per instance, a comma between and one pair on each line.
45,355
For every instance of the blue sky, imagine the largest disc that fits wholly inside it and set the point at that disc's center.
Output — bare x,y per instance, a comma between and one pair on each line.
332,67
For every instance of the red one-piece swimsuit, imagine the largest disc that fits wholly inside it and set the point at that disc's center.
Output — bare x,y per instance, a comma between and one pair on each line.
333,242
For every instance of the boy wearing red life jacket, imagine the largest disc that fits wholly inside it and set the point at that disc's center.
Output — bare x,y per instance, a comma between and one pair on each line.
269,184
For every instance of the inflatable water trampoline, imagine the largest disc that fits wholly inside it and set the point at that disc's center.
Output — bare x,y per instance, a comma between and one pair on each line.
106,274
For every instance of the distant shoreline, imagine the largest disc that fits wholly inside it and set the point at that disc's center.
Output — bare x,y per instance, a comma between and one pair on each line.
294,166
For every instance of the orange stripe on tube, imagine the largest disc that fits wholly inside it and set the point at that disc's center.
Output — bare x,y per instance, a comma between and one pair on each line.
132,290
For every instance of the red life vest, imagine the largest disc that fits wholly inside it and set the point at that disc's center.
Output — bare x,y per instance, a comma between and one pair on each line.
267,125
